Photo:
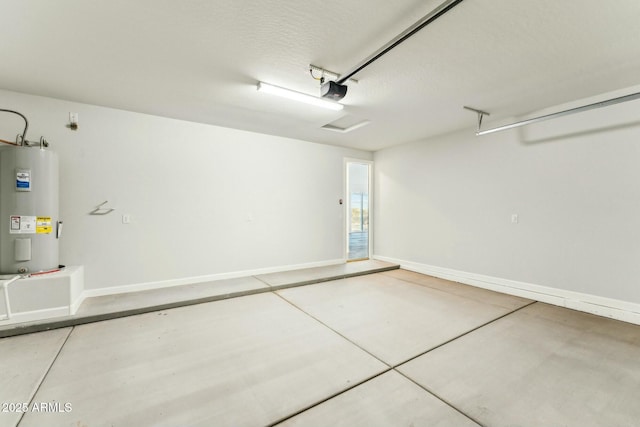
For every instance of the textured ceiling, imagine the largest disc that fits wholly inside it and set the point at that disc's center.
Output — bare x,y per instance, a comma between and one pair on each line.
200,60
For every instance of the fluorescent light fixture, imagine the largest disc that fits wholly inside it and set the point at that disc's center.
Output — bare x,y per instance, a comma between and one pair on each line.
298,96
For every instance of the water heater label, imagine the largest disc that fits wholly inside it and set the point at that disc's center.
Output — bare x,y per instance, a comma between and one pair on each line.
21,224
23,180
43,225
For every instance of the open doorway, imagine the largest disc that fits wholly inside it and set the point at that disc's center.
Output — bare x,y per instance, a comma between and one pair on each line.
358,210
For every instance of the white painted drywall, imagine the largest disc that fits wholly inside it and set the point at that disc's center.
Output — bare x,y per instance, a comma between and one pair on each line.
203,200
574,183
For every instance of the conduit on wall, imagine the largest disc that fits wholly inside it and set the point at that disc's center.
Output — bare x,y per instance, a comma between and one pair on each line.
5,288
588,107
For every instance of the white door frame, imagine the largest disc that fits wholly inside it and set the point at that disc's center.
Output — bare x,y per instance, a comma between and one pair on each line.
347,203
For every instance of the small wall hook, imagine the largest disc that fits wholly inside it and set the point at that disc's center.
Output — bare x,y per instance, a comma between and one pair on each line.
99,210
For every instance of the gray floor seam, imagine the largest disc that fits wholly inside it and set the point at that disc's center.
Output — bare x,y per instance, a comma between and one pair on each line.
392,367
288,417
44,377
333,330
448,342
263,281
440,398
466,333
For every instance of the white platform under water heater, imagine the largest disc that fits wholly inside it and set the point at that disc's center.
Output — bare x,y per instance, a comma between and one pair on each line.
29,223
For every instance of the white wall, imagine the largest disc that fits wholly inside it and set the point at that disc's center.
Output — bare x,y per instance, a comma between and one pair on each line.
203,200
574,182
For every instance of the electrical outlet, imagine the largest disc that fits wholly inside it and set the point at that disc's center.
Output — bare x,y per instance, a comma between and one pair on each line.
73,121
514,218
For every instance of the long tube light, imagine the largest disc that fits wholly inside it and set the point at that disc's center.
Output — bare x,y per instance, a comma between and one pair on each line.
298,96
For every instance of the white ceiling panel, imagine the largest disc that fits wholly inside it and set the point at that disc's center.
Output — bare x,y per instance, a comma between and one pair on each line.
200,60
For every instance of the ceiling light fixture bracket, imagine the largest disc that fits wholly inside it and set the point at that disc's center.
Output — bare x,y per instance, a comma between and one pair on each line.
480,114
326,74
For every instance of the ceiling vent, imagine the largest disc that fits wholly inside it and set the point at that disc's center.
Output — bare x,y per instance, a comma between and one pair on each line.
346,124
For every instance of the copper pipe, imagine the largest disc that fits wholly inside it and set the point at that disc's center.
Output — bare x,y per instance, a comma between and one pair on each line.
26,126
8,142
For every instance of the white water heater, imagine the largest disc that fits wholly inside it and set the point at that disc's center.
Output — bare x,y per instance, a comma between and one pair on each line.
29,223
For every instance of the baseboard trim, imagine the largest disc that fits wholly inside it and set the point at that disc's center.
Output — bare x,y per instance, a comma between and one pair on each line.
588,303
89,293
75,305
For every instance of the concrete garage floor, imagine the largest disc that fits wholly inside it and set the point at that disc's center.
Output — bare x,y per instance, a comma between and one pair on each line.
96,309
393,348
